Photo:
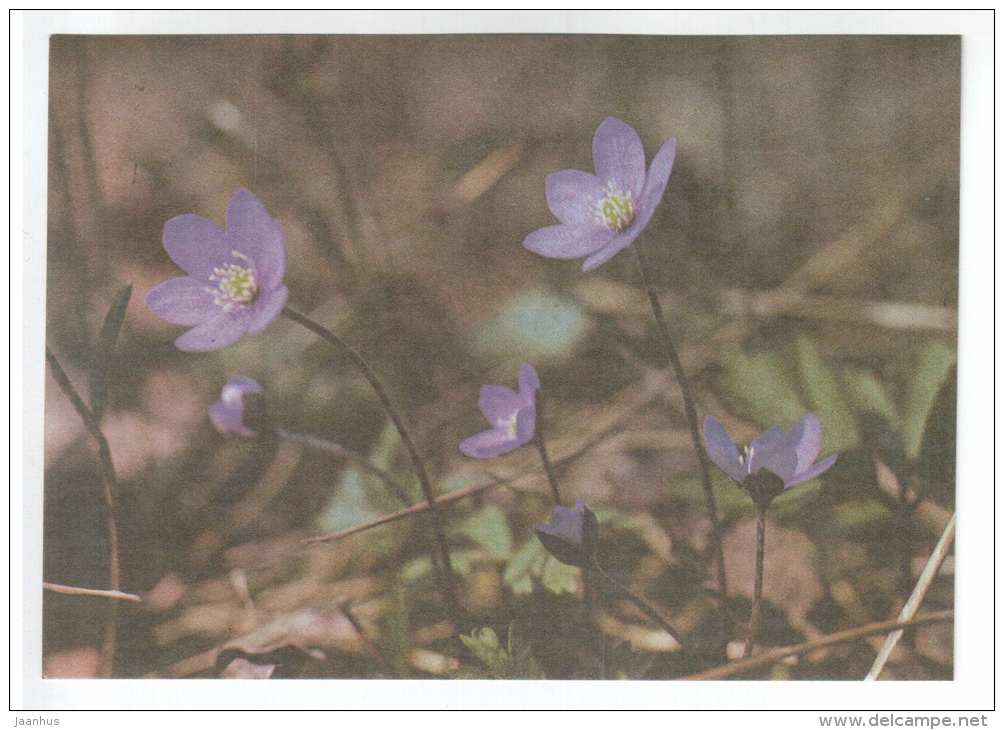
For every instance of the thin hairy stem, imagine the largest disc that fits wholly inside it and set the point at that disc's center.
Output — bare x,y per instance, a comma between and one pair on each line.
647,608
761,531
360,460
927,576
446,576
538,439
691,412
109,483
773,656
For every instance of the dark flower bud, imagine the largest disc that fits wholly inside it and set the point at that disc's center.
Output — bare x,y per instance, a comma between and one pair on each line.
241,408
762,487
571,534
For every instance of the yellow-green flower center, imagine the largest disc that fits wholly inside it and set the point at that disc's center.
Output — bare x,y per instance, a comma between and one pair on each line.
615,210
509,424
235,284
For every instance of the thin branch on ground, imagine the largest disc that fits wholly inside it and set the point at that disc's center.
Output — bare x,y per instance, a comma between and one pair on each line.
773,656
927,577
96,592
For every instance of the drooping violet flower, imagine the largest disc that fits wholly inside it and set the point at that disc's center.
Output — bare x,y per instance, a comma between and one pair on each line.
513,417
234,283
241,407
571,534
603,214
789,455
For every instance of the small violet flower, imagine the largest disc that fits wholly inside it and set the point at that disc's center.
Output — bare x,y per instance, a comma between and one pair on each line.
241,407
602,214
234,283
513,417
774,461
571,534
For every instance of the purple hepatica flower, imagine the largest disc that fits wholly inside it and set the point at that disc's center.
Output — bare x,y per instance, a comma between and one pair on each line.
241,407
789,456
571,534
513,417
602,214
234,283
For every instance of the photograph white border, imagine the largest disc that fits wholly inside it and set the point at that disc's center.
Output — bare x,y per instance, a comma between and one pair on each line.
972,688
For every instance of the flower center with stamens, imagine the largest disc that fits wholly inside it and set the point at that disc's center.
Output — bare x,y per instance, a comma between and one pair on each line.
615,210
235,284
510,424
746,457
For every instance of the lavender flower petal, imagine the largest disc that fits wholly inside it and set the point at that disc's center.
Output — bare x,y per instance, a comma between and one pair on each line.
814,471
788,455
526,424
196,245
498,403
781,461
251,230
222,330
810,441
488,444
619,156
572,196
721,450
228,413
656,181
235,283
183,300
267,308
648,201
567,242
513,417
614,247
764,444
529,382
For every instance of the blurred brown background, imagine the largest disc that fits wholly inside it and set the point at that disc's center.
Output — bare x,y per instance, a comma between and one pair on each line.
811,218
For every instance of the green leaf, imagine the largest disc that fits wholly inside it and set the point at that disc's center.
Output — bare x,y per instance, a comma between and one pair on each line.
760,384
857,515
730,499
559,578
867,394
484,644
839,428
932,369
533,561
350,504
614,519
104,353
524,565
463,561
514,661
489,528
536,324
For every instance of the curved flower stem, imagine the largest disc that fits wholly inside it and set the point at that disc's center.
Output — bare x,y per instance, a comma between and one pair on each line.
761,529
647,608
335,449
109,483
447,576
691,412
538,439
